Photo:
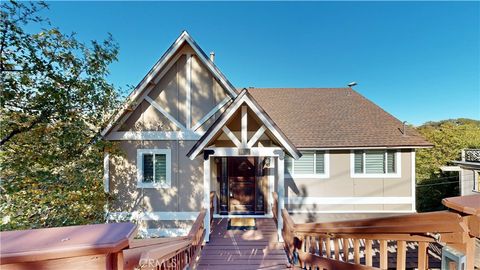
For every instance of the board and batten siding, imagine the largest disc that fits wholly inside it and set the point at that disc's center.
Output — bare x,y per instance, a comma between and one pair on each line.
185,193
341,195
185,98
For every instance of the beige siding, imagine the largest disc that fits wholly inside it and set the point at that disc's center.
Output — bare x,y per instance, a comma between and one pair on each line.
145,117
186,190
204,101
170,93
341,184
468,177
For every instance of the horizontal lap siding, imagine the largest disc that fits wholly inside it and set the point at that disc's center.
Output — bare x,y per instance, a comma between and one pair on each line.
330,217
341,184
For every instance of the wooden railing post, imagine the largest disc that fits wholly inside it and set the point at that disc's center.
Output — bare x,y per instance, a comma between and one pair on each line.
383,254
469,208
401,254
356,251
457,230
422,256
345,249
206,198
281,194
368,252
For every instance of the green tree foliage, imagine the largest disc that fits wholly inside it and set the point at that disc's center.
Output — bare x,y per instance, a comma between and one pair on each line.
54,100
449,138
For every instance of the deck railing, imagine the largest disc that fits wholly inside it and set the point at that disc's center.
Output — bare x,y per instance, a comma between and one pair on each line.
213,202
166,253
169,253
328,245
471,155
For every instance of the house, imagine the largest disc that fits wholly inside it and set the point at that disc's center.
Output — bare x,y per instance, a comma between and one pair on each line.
186,131
469,171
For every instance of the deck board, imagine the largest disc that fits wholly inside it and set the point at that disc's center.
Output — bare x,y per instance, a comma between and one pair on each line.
243,250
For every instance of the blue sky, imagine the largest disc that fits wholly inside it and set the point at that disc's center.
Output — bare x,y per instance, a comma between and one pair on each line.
420,61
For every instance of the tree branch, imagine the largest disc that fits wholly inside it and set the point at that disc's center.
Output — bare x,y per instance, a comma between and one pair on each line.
44,115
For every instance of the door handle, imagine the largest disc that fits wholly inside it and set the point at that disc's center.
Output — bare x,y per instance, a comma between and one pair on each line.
231,195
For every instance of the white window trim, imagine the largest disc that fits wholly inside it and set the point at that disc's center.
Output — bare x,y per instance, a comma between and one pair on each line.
398,167
476,184
168,158
324,175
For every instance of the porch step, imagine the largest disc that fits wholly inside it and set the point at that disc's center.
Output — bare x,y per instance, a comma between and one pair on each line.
243,250
246,252
242,265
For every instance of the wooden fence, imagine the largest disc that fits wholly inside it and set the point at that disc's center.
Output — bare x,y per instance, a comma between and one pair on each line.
328,245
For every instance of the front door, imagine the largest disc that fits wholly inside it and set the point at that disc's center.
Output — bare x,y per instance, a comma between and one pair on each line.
241,183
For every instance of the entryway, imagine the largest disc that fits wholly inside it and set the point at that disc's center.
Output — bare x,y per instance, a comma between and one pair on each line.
243,185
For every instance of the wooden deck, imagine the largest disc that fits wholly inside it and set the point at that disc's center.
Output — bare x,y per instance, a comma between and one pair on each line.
237,249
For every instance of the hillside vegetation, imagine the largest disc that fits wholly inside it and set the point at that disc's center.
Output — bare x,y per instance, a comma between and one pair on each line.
449,138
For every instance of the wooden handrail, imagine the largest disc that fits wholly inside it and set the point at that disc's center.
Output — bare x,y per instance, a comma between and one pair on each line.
167,253
167,256
197,224
213,196
329,244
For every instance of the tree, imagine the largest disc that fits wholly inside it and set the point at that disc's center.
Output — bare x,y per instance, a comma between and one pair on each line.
449,138
54,100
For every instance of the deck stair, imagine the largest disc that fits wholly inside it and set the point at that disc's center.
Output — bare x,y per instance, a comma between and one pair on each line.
243,249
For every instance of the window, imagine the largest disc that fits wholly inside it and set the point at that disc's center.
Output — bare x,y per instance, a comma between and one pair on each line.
381,163
312,164
153,168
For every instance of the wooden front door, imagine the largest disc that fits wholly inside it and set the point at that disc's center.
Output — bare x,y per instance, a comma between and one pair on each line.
241,183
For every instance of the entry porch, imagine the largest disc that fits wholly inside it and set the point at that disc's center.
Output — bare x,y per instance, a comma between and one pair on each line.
243,153
242,182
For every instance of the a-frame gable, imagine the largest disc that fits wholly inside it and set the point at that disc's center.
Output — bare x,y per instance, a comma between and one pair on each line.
243,104
187,50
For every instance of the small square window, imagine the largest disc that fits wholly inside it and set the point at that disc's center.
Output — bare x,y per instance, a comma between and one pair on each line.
153,168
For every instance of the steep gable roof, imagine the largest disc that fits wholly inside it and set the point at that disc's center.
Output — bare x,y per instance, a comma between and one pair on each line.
154,71
333,118
243,98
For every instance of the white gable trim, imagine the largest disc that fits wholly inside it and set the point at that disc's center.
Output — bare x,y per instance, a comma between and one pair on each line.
211,113
146,84
232,136
165,113
272,129
188,101
153,136
145,93
241,99
257,136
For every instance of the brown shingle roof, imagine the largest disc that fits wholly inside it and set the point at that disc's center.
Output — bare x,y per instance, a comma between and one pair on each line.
333,117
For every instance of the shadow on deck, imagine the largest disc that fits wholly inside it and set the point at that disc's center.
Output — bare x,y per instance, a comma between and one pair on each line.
239,249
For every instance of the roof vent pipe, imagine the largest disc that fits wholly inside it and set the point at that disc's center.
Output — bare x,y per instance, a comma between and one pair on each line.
212,56
404,131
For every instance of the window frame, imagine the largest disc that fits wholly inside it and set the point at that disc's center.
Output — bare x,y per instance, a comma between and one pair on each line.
326,165
476,181
168,166
364,174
